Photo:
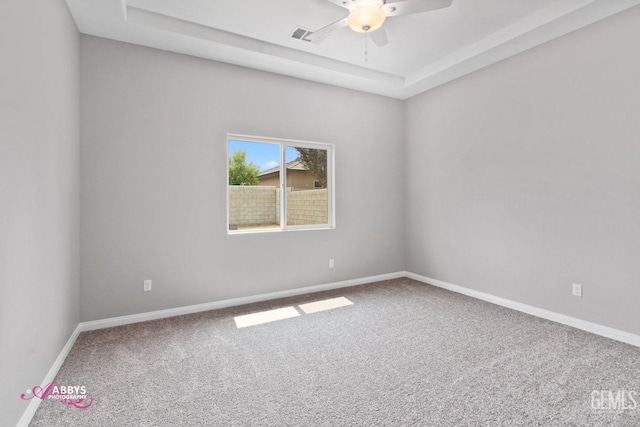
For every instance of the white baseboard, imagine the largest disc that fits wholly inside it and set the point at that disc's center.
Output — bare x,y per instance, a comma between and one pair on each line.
34,403
160,314
594,328
153,315
584,325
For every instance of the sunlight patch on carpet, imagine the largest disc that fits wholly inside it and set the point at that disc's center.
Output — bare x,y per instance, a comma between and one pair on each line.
265,317
327,304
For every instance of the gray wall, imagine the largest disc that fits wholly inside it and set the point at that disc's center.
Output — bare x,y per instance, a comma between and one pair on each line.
520,179
153,180
524,177
39,192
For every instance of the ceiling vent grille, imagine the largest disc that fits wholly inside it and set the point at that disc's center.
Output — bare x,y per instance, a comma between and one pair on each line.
300,33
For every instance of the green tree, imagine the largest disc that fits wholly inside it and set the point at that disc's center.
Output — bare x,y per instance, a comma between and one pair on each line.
316,161
241,172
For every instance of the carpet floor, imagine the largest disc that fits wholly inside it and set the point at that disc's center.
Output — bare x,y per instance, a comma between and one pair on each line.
403,354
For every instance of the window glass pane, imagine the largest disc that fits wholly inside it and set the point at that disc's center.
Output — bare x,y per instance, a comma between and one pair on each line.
306,186
254,185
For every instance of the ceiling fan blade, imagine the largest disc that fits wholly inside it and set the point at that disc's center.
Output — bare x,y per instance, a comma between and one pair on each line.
407,7
341,3
322,33
379,37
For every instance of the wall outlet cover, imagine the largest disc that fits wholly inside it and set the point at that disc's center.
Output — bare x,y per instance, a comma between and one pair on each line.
577,290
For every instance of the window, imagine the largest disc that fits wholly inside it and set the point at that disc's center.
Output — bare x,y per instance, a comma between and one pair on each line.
277,185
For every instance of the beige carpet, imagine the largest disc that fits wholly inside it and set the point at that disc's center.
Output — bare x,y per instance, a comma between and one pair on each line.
403,354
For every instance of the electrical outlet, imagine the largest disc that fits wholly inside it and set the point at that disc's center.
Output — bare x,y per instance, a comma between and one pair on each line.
577,290
147,285
332,263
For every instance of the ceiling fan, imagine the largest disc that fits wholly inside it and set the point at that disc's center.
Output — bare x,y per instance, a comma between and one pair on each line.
367,16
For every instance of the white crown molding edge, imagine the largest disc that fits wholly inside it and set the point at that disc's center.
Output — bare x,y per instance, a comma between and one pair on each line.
594,328
236,49
548,24
514,39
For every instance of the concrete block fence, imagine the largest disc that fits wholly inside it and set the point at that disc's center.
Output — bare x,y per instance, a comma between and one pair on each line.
254,206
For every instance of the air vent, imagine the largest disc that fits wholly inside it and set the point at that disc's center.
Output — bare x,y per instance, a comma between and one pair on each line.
300,33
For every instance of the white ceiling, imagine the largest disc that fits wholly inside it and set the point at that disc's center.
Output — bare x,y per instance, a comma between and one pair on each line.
424,50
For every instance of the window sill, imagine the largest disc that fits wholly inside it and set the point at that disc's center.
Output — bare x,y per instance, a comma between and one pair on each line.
280,230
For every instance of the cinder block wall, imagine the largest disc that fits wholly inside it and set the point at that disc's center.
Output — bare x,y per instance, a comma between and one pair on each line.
307,207
254,205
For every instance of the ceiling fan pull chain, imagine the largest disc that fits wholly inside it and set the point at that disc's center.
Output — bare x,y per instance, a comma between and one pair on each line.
366,53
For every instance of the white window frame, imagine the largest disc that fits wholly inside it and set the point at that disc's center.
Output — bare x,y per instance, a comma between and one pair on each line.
283,143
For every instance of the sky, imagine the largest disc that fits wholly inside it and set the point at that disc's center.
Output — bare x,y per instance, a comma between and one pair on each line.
263,155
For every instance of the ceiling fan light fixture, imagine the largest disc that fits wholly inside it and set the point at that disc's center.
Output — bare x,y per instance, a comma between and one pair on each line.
365,19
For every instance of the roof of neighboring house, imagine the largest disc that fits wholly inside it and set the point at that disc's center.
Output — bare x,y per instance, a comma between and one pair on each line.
295,164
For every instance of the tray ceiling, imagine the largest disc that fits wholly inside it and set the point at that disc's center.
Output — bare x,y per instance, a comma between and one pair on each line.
423,50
